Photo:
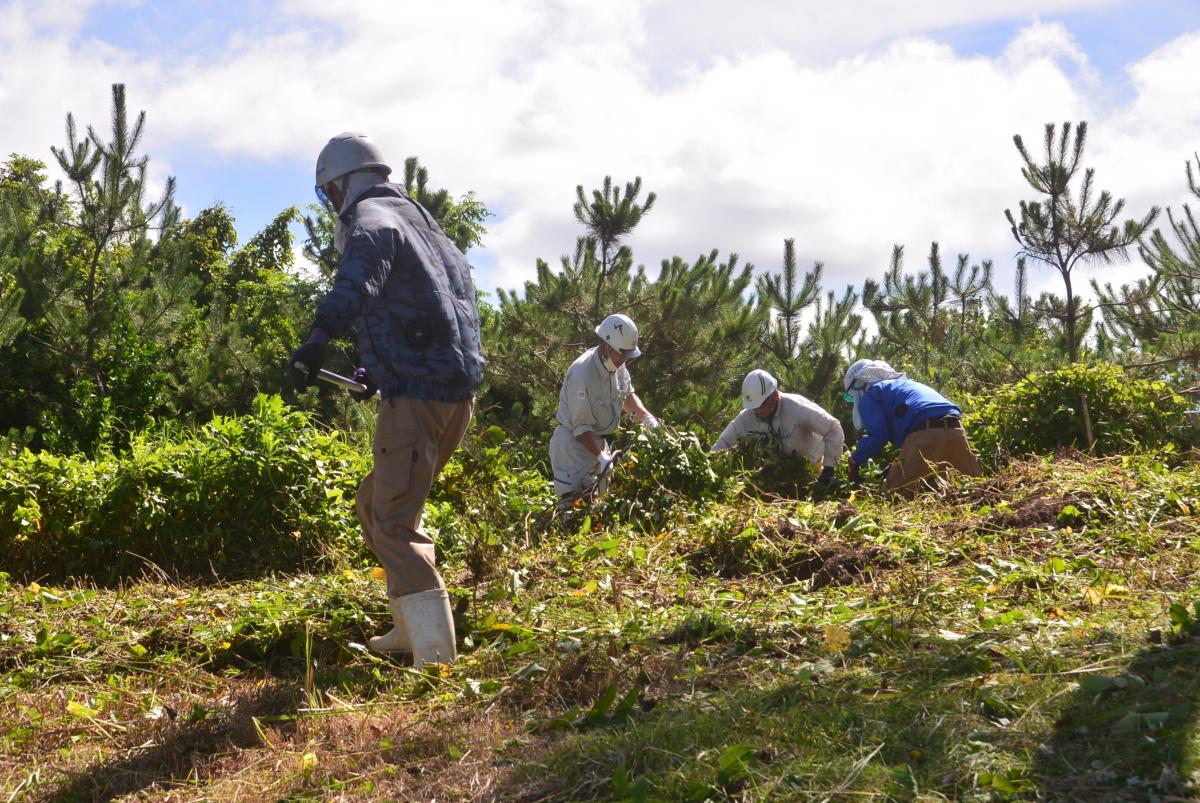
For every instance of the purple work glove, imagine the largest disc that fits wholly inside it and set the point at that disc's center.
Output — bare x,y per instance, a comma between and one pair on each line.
363,378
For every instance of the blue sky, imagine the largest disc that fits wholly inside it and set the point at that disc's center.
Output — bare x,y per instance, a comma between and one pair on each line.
1112,36
199,28
848,127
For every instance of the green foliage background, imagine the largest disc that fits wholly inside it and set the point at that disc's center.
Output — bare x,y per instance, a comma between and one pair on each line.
1042,413
235,497
117,314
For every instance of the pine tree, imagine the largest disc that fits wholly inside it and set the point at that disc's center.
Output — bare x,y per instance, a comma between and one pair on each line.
109,180
968,288
698,329
1063,231
827,348
1156,321
608,217
788,298
908,310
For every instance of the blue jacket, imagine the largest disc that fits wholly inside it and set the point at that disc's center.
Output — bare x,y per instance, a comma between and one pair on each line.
409,292
890,409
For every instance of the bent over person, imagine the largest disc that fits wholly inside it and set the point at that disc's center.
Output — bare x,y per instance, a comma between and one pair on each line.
408,291
788,421
595,390
925,426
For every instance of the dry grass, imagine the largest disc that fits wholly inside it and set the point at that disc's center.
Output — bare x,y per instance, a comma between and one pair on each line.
928,650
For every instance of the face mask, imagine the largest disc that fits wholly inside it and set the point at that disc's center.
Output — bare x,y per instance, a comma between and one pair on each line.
340,233
608,364
853,396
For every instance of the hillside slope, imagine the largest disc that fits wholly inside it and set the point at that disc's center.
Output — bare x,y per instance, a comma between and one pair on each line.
1026,635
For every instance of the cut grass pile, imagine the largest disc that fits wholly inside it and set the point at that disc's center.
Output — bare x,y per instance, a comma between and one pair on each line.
1024,636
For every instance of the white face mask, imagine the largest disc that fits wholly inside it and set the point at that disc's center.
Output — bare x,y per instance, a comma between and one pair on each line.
857,394
608,364
340,233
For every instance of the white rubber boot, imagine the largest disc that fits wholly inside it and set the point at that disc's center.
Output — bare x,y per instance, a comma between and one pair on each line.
396,639
430,626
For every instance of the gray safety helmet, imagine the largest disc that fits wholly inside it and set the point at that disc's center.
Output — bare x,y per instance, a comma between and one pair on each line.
347,152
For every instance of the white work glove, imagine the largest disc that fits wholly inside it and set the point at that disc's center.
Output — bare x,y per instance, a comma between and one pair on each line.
604,471
606,463
650,422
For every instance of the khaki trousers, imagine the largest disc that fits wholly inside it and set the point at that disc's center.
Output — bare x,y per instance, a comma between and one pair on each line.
414,439
926,452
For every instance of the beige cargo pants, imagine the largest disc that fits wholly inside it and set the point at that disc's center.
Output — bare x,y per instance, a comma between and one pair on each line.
414,439
926,452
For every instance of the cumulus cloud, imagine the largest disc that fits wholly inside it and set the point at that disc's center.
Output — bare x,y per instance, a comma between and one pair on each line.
846,128
814,32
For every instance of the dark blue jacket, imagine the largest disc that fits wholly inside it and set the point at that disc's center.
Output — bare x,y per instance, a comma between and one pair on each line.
890,409
410,293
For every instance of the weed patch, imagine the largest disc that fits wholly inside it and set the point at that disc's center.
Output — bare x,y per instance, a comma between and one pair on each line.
1030,635
791,551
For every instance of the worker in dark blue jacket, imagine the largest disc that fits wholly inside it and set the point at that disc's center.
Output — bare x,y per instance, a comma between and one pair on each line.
925,426
407,291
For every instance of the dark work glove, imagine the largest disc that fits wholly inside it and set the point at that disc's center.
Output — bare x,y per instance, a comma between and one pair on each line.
304,364
363,378
826,477
852,471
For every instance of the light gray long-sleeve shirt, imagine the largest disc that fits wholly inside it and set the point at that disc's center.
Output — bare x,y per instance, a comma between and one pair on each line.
798,426
591,398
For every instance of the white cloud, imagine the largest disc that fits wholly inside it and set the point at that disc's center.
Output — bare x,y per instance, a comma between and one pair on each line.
843,125
815,31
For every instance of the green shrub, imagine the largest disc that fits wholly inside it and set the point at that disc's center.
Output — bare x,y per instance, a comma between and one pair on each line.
772,472
238,497
660,470
1043,412
486,501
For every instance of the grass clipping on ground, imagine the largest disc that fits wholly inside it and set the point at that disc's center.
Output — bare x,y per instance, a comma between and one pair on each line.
1026,635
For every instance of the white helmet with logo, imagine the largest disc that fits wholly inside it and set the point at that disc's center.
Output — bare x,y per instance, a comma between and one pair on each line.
347,152
757,387
620,332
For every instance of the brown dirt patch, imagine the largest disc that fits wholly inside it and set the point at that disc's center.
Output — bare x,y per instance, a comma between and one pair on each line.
826,561
781,549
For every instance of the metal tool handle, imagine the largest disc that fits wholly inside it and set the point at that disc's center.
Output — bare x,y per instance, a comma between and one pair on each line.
336,379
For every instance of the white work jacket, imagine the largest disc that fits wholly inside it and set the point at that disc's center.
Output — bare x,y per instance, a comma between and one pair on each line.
591,398
798,426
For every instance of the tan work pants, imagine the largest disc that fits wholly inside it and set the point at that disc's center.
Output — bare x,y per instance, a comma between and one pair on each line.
414,439
926,452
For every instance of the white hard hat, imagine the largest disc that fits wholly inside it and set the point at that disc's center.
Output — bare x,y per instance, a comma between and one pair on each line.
347,152
620,332
757,387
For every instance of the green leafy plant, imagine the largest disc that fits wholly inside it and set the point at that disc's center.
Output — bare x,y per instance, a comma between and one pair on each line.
662,470
1044,412
484,497
236,497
